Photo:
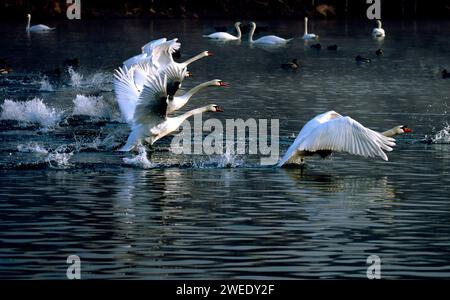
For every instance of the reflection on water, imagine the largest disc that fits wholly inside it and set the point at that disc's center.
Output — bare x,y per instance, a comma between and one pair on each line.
226,217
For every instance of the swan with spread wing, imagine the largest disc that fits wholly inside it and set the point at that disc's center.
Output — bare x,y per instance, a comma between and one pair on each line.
331,132
159,53
147,110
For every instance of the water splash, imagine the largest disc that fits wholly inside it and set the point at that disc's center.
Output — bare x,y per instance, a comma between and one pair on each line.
102,81
229,160
30,112
32,147
76,79
59,158
92,106
140,160
46,85
97,144
442,137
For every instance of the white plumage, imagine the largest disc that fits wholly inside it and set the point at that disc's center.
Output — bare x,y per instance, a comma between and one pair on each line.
378,32
145,108
37,28
266,40
309,36
225,36
332,132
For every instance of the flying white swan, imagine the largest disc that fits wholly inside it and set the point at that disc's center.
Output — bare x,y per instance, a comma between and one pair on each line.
36,28
160,55
267,39
378,31
330,132
225,36
150,115
136,78
175,75
309,36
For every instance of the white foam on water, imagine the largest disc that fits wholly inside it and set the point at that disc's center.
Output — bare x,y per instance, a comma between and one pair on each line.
75,78
32,147
225,160
59,159
92,106
140,160
98,80
45,85
443,136
34,111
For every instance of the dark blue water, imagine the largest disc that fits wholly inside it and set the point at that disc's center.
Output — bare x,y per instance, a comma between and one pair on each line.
64,190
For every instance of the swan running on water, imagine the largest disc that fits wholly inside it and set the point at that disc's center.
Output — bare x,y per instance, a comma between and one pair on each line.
330,132
267,39
378,32
37,28
225,36
146,110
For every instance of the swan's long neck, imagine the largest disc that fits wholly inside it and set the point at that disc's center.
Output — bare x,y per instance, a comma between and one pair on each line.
306,26
196,89
238,29
390,133
379,24
182,100
193,112
197,57
28,23
252,31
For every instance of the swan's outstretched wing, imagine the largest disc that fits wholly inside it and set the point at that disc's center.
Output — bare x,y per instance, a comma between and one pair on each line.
341,134
142,71
148,48
175,75
151,107
134,60
127,93
162,54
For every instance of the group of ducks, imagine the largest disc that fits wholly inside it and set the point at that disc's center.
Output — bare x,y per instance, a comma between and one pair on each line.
273,40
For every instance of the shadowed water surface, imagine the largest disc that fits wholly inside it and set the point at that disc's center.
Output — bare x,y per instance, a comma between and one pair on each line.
64,190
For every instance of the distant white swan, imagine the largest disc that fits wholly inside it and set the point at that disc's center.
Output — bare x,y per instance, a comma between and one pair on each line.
378,31
36,28
309,36
329,132
225,36
266,40
150,115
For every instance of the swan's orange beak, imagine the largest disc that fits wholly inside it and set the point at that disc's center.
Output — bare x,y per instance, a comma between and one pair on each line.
219,109
209,53
188,74
407,130
223,83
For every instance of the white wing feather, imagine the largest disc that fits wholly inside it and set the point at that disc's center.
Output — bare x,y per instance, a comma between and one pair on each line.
151,106
340,134
162,54
127,93
148,48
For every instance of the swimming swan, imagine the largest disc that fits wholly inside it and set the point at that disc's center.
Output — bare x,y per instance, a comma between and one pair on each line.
225,36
